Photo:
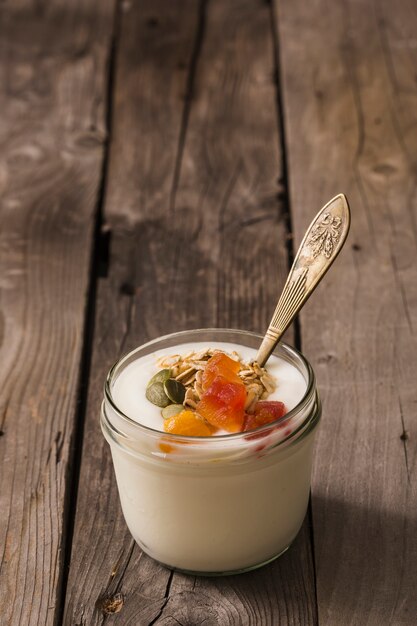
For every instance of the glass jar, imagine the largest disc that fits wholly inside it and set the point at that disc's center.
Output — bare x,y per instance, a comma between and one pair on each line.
220,504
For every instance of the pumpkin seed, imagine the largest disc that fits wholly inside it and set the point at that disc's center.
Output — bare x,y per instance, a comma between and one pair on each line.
155,393
174,390
171,410
160,377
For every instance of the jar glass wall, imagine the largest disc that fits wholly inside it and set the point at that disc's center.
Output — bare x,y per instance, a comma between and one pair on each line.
220,504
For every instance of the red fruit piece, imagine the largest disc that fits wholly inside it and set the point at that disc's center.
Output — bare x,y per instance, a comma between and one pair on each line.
220,365
265,412
223,405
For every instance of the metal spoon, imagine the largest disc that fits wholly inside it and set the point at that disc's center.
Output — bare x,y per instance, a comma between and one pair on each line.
321,244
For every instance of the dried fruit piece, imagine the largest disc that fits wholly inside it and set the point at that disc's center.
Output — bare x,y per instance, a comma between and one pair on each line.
264,413
166,448
160,377
223,405
171,409
155,393
187,423
174,390
220,365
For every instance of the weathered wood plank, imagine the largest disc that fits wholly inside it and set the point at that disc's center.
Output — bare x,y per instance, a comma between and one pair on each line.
350,96
52,98
196,228
154,50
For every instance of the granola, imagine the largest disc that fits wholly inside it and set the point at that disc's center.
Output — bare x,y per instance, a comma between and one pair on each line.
187,369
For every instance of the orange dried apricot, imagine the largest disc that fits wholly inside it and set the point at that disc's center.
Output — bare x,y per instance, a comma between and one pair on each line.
223,404
220,365
187,423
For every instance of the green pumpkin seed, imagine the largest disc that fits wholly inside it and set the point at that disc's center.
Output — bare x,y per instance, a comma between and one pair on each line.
174,390
171,410
160,377
155,393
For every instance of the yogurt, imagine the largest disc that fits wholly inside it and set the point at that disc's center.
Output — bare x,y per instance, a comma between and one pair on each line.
222,504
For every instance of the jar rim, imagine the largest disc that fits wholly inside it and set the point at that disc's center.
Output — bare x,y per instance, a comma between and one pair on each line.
141,428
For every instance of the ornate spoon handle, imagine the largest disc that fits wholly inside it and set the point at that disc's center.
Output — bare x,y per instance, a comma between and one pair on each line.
321,244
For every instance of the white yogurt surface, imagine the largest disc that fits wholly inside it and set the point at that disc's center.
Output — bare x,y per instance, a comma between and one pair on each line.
129,388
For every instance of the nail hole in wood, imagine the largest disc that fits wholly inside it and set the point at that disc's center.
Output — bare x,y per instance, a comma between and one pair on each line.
113,604
127,289
327,358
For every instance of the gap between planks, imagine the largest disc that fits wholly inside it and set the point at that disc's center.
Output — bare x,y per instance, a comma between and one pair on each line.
100,259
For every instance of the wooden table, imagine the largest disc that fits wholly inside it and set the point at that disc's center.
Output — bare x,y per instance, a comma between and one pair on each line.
159,159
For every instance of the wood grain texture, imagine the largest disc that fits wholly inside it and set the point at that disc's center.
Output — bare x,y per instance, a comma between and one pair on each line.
350,94
197,231
154,49
52,90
